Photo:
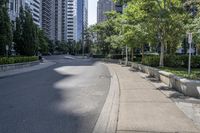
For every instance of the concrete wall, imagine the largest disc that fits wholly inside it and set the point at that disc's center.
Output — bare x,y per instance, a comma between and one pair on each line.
8,67
185,86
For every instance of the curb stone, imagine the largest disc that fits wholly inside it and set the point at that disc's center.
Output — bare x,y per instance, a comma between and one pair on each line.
107,121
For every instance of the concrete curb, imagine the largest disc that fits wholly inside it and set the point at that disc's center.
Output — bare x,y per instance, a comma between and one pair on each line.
108,119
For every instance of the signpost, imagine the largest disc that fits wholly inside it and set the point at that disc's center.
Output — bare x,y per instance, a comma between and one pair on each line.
190,52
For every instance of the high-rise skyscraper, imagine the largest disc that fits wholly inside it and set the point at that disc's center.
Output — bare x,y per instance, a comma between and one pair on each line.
104,6
46,15
64,20
34,7
82,18
71,18
14,8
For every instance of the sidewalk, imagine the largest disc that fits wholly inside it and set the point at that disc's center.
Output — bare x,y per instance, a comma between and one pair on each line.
143,108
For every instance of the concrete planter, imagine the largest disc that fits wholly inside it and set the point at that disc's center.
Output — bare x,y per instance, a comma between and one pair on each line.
121,62
112,60
185,86
8,67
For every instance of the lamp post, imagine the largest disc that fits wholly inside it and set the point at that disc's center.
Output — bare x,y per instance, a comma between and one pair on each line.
7,48
190,52
126,48
124,22
126,55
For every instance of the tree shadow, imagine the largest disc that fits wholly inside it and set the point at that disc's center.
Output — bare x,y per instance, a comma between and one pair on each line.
31,103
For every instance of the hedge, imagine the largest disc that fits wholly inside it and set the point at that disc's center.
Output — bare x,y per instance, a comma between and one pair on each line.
151,61
172,61
115,56
111,56
18,59
98,56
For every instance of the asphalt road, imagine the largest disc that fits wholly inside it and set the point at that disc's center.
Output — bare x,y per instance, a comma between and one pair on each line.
64,98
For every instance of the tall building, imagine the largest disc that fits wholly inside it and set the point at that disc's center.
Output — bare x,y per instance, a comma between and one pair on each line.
104,6
14,8
64,20
71,16
82,18
46,16
58,19
34,7
54,19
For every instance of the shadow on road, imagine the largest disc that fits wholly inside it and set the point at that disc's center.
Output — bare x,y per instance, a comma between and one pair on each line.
46,101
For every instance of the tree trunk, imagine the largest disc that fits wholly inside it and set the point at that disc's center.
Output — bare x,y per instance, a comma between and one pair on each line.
132,54
162,53
197,51
142,53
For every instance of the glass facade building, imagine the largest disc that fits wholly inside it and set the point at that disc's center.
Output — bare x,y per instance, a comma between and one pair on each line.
82,19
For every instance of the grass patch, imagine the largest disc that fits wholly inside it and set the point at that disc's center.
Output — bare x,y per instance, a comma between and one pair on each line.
183,72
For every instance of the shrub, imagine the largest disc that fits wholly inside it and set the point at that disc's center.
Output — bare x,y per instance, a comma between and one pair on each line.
115,56
18,59
99,56
137,58
151,61
195,62
173,61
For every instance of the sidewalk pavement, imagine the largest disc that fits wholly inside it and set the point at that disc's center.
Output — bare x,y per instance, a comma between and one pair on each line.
45,64
143,108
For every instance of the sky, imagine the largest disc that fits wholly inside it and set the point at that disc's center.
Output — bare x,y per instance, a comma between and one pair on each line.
92,12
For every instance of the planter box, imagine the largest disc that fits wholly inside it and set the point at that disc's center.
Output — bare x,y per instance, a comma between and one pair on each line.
185,86
8,67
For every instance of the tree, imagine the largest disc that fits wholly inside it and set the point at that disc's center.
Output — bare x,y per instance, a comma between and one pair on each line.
26,34
18,39
5,28
193,26
43,44
29,35
163,19
51,46
105,31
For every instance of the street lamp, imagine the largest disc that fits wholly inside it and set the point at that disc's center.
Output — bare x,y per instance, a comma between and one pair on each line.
7,48
190,52
126,61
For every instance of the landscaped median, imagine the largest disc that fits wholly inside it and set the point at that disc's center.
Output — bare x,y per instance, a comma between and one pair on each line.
11,63
186,86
